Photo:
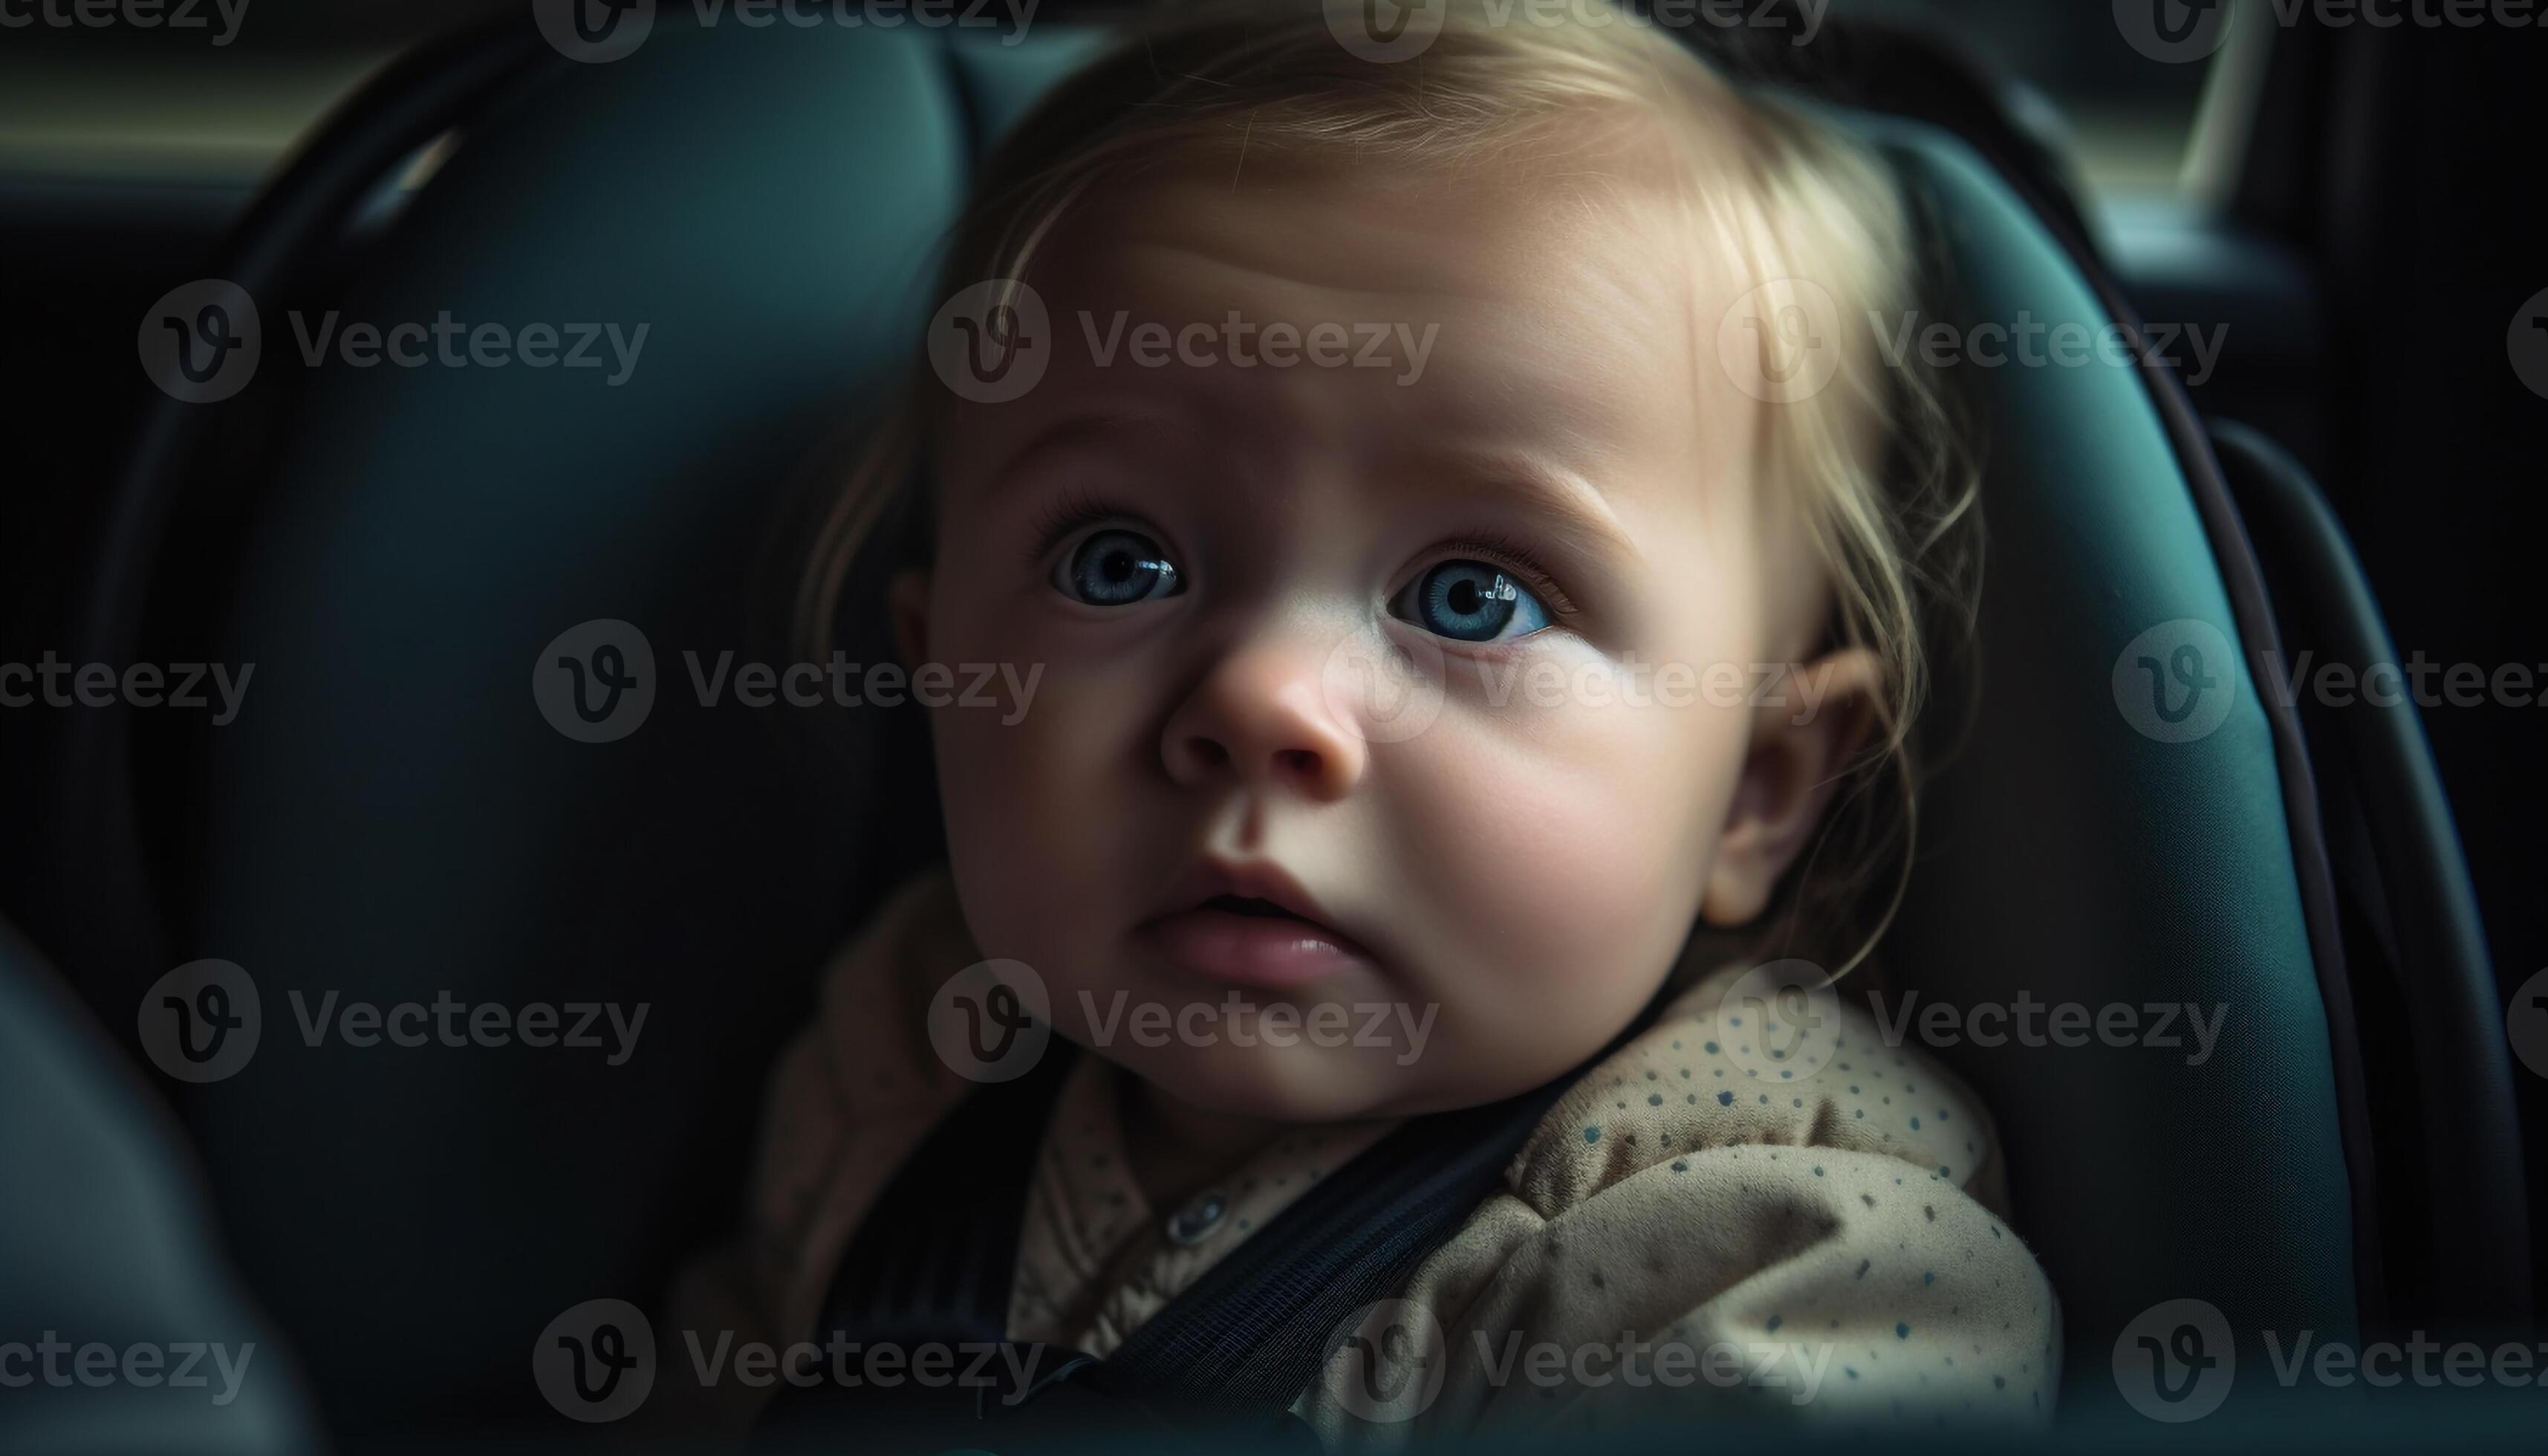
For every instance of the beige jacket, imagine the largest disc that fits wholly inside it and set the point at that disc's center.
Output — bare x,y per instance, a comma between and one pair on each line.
1675,1233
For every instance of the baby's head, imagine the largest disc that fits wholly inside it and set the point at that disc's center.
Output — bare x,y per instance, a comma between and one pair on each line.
1516,419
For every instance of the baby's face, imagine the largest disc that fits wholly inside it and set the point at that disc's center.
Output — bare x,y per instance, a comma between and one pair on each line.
1549,517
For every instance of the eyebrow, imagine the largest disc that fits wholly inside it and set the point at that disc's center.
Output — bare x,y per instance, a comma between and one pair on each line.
1561,500
1098,422
1565,501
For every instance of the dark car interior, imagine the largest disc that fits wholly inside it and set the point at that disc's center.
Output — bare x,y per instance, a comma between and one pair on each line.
2318,229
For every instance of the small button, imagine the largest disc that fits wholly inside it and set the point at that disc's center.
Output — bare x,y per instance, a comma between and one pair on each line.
1193,1223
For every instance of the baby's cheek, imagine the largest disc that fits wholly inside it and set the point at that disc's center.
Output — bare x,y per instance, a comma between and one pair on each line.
1561,870
1032,812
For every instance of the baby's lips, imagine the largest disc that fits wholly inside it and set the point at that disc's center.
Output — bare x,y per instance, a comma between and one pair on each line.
1272,952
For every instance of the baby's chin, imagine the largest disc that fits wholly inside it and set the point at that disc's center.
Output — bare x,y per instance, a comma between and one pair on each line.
1297,1084
1302,1083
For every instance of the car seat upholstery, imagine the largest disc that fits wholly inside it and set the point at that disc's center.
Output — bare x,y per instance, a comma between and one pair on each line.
103,1244
2070,856
395,819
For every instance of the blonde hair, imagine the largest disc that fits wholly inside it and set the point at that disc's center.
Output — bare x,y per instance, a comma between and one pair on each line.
1882,486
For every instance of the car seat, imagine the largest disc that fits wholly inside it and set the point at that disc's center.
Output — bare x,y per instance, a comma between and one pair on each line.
392,817
105,1244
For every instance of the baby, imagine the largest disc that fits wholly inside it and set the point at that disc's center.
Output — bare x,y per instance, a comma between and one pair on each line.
1482,583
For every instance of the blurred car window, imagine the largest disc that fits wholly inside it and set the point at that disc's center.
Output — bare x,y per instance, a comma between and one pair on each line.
143,105
2124,118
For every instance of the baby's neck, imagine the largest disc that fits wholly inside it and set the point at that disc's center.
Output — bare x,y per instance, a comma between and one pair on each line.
1176,1148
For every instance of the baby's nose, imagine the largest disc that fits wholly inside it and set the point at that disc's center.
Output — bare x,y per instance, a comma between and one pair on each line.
1259,718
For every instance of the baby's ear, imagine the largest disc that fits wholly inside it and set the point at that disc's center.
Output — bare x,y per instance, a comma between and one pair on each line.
1789,778
910,604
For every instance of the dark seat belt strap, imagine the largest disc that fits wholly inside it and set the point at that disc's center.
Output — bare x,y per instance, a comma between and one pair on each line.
936,1257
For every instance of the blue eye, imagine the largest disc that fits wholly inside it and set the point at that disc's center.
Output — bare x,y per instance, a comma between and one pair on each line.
1117,567
1471,602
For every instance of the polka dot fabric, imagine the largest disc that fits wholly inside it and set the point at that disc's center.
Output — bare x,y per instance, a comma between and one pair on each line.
1689,1084
1849,1217
1831,1240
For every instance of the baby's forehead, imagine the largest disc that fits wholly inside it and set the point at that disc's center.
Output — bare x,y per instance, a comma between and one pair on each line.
1554,284
1623,212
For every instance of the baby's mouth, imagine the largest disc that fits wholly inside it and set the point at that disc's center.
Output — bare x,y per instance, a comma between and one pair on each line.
1251,940
1253,905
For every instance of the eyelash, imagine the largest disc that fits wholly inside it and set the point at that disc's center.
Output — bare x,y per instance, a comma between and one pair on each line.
1076,511
1066,517
1512,555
